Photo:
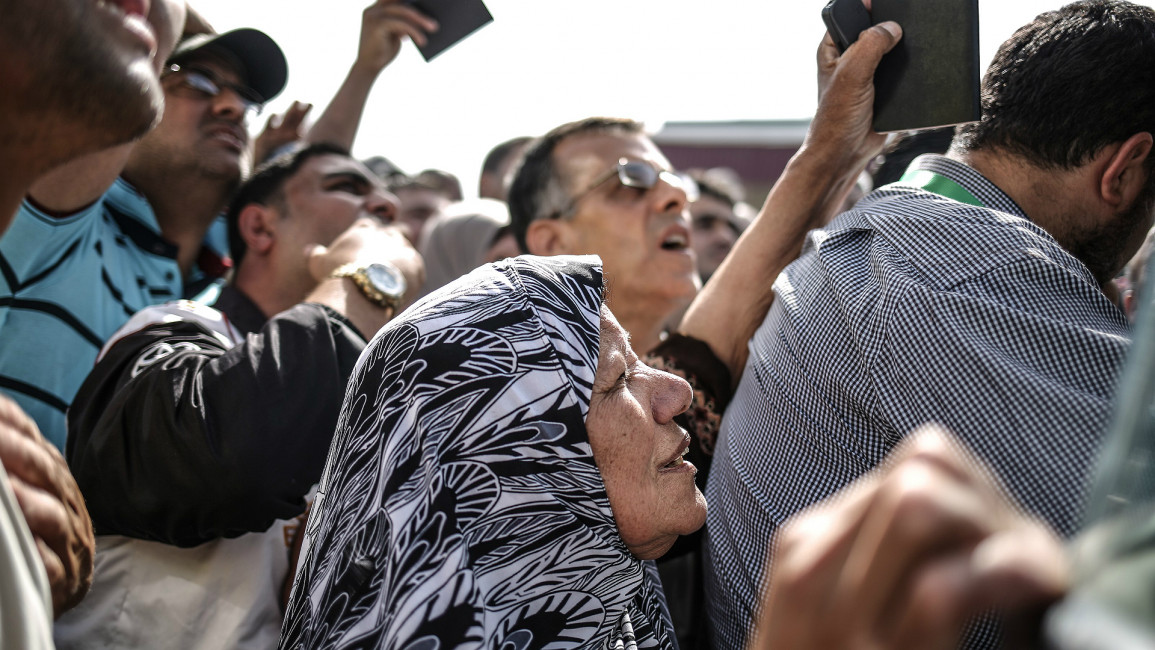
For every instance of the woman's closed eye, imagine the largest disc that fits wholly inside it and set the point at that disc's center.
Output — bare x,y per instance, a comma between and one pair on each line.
622,379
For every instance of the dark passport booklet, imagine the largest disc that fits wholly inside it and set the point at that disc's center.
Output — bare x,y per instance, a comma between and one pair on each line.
456,18
931,78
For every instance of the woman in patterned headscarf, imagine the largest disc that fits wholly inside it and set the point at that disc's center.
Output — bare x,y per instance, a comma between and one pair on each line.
502,467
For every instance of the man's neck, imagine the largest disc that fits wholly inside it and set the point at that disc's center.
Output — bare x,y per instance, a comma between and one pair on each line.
644,320
185,206
25,155
269,290
1043,195
11,194
1063,203
20,172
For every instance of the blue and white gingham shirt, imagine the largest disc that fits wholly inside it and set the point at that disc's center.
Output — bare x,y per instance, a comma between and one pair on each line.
911,308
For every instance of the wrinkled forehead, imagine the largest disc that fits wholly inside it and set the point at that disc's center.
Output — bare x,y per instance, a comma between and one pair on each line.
581,158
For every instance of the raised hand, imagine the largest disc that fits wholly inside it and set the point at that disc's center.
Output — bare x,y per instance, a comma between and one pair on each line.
280,130
383,25
841,129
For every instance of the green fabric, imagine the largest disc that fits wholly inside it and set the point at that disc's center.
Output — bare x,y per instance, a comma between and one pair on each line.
938,184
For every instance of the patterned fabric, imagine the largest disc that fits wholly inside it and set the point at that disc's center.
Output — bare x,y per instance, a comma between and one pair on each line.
909,309
460,504
66,284
694,361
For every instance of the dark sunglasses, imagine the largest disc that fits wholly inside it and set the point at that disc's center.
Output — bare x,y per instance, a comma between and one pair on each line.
641,174
208,85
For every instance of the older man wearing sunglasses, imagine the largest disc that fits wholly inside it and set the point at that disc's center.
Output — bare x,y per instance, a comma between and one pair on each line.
601,186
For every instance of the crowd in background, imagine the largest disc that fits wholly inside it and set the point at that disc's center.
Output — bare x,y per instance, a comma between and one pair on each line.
259,393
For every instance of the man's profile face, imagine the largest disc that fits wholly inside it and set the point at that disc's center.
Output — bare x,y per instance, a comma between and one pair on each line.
641,235
91,63
321,201
418,206
714,232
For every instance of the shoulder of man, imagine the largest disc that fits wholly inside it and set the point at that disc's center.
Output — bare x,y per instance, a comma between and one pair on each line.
38,239
186,311
941,242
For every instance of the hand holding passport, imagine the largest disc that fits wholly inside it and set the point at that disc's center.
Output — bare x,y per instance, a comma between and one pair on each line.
456,18
932,77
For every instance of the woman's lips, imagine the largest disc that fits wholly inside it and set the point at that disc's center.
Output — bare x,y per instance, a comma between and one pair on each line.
677,461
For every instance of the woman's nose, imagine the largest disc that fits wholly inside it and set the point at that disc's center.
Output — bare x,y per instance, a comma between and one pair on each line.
671,397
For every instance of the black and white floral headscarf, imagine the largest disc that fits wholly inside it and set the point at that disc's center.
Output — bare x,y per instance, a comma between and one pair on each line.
460,505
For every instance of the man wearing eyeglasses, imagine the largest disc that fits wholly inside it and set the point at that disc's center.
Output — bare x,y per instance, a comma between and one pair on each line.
601,186
86,249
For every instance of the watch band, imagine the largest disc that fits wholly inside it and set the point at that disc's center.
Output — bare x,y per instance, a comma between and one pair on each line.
359,274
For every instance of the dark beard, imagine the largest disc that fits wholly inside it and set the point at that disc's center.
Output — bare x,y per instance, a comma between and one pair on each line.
1106,250
81,77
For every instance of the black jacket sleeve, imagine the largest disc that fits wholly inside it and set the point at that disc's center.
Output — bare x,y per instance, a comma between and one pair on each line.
177,438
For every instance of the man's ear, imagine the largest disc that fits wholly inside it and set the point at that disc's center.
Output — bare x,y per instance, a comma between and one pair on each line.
549,237
1124,173
258,227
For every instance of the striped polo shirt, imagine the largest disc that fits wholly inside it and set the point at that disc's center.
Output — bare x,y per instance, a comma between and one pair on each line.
66,285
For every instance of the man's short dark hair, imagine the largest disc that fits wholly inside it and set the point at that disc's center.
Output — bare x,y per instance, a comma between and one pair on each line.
1068,84
265,187
495,159
716,186
537,191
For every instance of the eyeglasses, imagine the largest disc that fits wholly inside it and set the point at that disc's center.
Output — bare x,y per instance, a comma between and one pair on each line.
640,174
204,83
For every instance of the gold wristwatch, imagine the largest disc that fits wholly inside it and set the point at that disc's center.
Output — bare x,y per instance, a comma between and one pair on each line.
381,283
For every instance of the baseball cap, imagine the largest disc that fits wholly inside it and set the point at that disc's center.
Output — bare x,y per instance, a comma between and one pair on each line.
258,58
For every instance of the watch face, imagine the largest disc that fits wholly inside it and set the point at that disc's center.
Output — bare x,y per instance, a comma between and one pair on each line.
386,279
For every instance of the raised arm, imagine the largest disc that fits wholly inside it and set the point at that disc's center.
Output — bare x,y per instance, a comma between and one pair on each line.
383,26
180,437
186,431
837,148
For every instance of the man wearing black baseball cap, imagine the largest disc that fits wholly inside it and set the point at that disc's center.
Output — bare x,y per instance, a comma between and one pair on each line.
251,53
111,233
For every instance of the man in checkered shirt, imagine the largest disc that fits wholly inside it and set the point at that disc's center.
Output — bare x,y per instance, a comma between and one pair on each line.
968,295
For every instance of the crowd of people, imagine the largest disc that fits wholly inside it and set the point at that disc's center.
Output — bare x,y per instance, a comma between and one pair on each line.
259,393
